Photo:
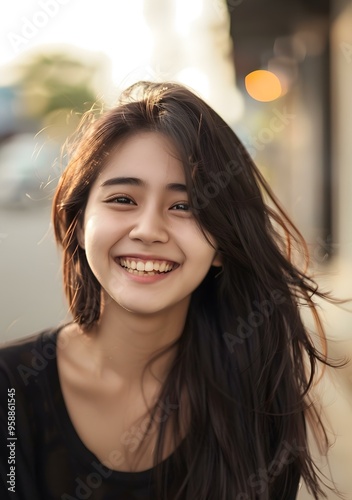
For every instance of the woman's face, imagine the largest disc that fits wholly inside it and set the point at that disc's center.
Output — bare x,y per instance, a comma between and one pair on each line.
141,241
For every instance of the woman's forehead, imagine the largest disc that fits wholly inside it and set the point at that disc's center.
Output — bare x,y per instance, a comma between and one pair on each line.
145,154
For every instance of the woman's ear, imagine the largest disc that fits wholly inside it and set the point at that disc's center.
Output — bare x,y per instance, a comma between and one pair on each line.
217,261
80,234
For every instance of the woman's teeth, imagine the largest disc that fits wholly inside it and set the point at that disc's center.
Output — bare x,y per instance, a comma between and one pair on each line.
150,267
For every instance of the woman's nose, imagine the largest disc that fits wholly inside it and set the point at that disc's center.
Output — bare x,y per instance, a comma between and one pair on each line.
150,227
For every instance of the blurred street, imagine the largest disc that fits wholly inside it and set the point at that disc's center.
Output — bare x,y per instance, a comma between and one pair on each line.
30,286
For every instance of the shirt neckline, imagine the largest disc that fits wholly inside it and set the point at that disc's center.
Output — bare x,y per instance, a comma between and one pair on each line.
84,455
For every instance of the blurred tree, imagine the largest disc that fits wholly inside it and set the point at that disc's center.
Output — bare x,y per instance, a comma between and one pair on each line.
57,89
51,91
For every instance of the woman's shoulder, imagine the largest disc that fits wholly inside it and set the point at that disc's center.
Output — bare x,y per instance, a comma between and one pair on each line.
25,345
19,357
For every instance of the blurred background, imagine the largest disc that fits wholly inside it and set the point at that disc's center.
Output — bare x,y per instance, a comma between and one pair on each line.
280,73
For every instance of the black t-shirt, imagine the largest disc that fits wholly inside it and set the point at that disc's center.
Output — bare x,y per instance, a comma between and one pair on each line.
42,456
42,452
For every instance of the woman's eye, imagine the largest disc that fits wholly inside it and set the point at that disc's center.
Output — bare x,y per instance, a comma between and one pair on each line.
124,200
181,206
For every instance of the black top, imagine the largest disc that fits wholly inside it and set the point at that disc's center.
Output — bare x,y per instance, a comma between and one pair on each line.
42,456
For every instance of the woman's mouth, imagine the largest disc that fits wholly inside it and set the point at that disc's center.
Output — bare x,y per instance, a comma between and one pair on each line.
148,267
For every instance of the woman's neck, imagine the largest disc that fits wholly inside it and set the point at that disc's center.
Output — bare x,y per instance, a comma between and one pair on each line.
122,342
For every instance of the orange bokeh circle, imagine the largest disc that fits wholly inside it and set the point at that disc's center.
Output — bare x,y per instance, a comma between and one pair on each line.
263,85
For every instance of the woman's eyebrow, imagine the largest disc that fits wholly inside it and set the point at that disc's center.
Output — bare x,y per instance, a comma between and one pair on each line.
134,181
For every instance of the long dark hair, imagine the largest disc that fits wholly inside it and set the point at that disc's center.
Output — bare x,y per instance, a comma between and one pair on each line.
245,359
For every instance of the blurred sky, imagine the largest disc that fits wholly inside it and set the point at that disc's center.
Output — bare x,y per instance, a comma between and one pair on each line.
121,34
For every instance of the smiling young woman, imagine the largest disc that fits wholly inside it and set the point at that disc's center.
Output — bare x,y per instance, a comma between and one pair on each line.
185,373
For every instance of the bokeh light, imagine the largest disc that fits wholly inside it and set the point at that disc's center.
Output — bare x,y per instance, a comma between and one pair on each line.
263,85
